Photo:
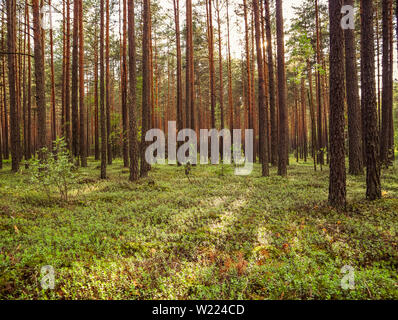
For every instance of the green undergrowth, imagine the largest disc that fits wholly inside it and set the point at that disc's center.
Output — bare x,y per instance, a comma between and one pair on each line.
212,235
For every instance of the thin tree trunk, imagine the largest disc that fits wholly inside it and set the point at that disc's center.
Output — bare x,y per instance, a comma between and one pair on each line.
107,87
82,107
102,94
271,83
133,142
211,66
220,74
230,95
96,113
40,79
249,75
67,78
321,144
262,111
75,80
53,113
304,120
179,67
146,87
24,88
124,88
190,95
283,113
354,110
386,93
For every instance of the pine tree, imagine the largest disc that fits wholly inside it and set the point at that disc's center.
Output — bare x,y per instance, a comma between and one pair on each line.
133,142
283,113
337,178
369,103
354,110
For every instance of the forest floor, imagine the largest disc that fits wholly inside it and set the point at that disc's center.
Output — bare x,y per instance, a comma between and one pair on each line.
212,236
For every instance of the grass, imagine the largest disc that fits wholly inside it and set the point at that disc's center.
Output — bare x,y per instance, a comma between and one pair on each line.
213,236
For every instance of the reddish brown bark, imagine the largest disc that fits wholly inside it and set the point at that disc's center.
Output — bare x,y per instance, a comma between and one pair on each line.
262,111
40,78
283,114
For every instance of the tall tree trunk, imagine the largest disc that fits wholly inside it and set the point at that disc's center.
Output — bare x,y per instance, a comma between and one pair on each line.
321,143
387,84
146,86
378,67
354,110
368,102
82,107
262,111
14,123
312,114
211,65
102,94
24,88
75,80
190,95
133,142
249,74
179,66
283,114
220,75
337,178
108,87
40,79
67,77
96,112
124,88
230,96
53,113
391,153
271,83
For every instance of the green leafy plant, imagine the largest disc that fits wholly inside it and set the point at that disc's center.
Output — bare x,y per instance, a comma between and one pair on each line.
55,171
